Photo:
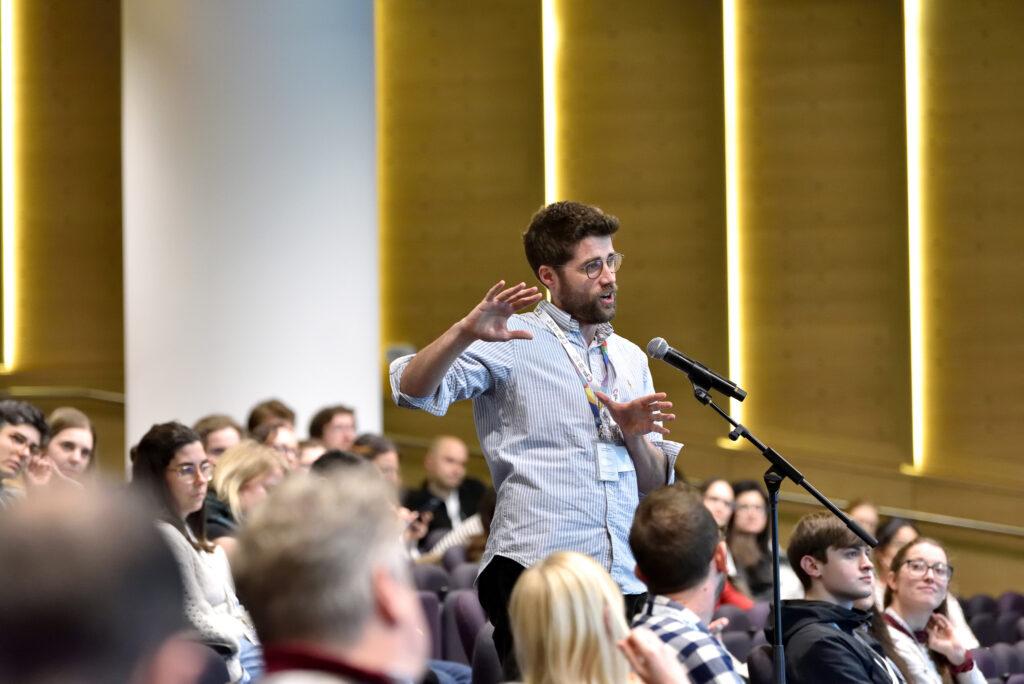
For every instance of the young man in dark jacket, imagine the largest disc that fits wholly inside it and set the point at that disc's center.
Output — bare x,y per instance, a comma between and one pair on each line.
825,638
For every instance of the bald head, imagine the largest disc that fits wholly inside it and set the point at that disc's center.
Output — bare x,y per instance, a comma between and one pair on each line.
445,462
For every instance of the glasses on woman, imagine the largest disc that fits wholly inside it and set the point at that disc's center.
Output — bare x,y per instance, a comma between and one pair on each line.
594,267
188,471
918,568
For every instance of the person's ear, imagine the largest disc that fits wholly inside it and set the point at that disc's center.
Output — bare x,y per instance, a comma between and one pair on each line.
385,596
811,565
720,559
547,276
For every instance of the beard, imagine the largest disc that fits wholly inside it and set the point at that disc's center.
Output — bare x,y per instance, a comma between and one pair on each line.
588,309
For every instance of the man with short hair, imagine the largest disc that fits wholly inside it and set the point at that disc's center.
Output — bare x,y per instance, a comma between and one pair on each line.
334,426
321,570
218,432
825,638
446,492
23,431
270,411
681,557
565,409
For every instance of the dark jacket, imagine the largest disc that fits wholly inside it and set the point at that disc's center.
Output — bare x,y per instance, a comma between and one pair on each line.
219,521
470,492
828,643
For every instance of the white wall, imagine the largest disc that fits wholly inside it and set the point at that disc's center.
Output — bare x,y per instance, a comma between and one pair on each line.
250,208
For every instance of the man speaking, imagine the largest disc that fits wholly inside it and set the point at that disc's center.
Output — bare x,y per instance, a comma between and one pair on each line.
565,409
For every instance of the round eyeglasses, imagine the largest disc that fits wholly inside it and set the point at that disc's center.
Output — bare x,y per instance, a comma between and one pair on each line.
918,568
594,267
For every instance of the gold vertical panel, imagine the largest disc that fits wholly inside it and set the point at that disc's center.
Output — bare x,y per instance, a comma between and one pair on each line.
823,186
461,168
641,134
68,279
974,242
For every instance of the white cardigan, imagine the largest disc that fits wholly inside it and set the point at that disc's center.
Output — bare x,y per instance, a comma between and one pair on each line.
919,663
211,605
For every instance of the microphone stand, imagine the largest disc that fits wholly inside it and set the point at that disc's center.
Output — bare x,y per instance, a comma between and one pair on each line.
779,470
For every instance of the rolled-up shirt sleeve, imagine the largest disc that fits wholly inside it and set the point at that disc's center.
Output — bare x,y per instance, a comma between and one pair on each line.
474,372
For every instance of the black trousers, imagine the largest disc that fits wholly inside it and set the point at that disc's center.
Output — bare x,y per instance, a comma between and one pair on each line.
494,587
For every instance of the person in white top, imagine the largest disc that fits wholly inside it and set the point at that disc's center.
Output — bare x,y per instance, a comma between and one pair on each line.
171,471
921,631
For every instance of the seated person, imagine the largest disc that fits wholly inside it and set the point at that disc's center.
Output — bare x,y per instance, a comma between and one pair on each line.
748,539
680,556
334,427
865,514
381,452
170,473
921,632
270,411
446,492
23,431
219,433
68,455
242,478
825,638
280,436
720,500
309,451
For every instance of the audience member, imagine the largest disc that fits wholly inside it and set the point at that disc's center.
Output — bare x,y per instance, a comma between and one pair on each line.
567,615
280,436
67,455
865,514
218,433
446,492
719,499
383,453
171,472
241,480
680,556
823,635
83,605
23,430
309,451
749,538
921,630
471,534
334,427
321,568
270,410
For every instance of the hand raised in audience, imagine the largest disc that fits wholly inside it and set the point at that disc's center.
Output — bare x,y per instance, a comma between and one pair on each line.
39,471
653,661
641,415
942,639
488,320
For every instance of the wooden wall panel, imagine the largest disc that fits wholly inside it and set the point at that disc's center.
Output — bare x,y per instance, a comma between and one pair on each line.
974,170
823,227
641,134
460,170
68,275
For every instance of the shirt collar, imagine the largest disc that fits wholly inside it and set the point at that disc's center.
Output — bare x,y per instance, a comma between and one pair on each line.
569,324
659,604
296,656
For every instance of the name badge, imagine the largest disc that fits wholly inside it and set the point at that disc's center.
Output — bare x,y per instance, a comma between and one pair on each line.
612,459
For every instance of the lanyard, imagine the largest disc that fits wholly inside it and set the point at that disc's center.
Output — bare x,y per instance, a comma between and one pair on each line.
585,375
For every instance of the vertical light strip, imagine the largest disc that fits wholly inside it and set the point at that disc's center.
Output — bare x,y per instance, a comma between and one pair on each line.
912,63
732,199
7,182
550,39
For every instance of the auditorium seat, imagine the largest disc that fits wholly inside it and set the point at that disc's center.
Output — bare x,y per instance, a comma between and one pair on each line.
486,666
451,643
758,639
759,665
1016,679
985,661
978,604
464,576
1010,602
453,558
430,578
1006,627
984,627
738,643
758,615
738,620
1007,660
432,612
469,618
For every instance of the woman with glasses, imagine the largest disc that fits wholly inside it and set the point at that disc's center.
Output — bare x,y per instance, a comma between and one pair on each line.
170,470
921,631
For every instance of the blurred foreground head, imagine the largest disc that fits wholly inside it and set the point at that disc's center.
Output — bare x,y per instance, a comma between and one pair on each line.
88,590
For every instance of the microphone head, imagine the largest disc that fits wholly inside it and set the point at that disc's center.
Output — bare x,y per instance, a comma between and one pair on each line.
657,348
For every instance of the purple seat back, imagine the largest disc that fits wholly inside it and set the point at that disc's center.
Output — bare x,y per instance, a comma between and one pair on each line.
453,558
985,661
464,576
738,620
977,604
469,618
1010,602
432,612
984,627
760,665
1007,659
451,643
1006,627
430,578
1016,679
486,666
737,643
758,615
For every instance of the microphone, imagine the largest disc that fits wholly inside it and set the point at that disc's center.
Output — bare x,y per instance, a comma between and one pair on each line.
700,375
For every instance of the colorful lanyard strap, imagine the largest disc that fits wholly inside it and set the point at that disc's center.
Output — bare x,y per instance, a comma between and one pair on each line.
585,375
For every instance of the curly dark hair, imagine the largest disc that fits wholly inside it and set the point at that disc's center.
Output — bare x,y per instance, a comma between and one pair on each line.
556,229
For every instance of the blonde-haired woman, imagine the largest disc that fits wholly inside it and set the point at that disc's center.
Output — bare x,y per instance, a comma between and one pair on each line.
242,478
569,627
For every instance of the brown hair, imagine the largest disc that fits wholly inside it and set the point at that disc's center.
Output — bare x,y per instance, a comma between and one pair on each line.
555,230
813,536
325,416
69,417
673,538
269,410
214,422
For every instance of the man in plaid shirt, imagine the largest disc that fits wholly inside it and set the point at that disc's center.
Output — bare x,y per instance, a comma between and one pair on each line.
681,557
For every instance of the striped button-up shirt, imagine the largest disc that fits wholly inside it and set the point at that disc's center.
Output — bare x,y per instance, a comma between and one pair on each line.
538,435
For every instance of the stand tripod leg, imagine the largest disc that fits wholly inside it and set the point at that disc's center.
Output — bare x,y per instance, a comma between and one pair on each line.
773,481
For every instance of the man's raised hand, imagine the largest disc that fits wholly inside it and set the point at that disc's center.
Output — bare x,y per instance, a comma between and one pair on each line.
640,416
488,320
